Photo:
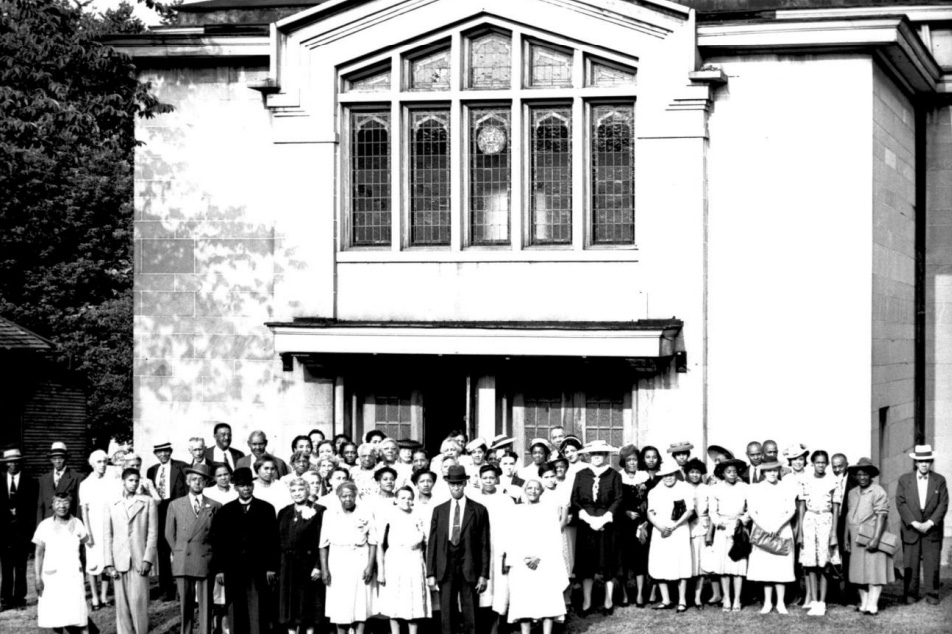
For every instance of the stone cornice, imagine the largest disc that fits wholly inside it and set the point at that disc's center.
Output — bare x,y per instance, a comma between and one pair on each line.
893,38
193,43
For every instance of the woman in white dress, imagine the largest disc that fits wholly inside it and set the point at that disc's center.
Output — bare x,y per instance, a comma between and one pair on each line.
96,493
772,508
700,525
59,575
269,488
728,508
537,574
222,491
494,601
670,507
404,595
348,552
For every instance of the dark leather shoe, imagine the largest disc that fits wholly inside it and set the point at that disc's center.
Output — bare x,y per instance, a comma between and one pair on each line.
608,611
909,600
931,600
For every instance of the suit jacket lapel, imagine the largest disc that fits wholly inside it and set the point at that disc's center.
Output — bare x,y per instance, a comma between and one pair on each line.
468,513
203,516
931,487
136,508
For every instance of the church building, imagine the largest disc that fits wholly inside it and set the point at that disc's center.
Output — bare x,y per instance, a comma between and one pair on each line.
644,221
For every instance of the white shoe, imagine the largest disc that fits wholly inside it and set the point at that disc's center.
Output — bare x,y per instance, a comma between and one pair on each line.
782,609
808,606
818,609
766,609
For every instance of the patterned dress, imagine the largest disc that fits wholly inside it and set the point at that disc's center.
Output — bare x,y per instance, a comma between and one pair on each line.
819,495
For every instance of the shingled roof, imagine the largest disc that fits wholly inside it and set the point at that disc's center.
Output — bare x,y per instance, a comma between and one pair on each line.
14,337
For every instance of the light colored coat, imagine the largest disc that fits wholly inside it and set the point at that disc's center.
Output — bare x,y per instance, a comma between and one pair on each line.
132,537
189,536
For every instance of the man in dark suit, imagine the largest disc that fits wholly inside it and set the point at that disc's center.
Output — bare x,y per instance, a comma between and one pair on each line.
223,451
457,555
246,556
17,523
188,532
60,480
169,479
922,499
258,444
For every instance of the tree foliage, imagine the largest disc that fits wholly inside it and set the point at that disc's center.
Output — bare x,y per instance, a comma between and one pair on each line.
67,110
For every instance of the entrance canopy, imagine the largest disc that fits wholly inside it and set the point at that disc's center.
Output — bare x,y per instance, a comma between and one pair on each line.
642,338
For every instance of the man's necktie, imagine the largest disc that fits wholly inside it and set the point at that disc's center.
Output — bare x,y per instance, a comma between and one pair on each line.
56,479
454,539
161,483
197,506
13,487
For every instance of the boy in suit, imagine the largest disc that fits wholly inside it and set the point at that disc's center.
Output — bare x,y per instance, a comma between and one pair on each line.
17,514
922,499
457,554
188,531
132,534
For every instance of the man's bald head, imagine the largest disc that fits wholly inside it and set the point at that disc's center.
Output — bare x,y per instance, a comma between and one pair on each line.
755,453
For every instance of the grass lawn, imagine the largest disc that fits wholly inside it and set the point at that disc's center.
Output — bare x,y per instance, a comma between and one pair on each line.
893,617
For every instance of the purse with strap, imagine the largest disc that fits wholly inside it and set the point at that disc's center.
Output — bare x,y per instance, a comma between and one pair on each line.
888,543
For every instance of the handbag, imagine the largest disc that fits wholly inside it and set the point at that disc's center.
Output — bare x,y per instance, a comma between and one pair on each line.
740,549
888,543
679,509
773,544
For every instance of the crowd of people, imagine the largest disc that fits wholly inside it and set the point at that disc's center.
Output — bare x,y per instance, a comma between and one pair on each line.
365,534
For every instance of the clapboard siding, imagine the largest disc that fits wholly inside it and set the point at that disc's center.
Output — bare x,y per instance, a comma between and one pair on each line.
54,412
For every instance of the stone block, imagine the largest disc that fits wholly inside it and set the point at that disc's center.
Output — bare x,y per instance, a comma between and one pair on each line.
187,283
153,282
160,303
158,346
153,367
168,256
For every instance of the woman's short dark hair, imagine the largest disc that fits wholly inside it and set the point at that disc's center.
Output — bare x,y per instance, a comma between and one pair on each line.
66,495
545,467
408,489
346,472
300,437
819,452
219,465
129,471
260,462
419,474
641,457
374,433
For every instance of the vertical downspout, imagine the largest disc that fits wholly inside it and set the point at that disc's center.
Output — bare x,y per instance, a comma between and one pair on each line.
919,386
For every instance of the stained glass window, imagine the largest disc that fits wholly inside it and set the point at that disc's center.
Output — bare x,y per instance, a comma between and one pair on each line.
605,76
431,71
430,177
549,67
373,82
613,174
489,195
370,178
551,176
490,63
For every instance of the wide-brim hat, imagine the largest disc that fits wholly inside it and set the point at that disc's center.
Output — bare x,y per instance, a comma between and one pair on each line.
162,446
572,441
58,449
730,462
669,469
540,442
680,447
598,446
768,466
456,474
716,451
242,477
866,465
500,440
476,443
923,452
408,443
795,451
11,455
201,469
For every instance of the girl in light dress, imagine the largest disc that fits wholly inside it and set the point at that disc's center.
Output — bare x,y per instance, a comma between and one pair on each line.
699,526
96,493
669,556
728,508
404,596
61,602
772,508
819,505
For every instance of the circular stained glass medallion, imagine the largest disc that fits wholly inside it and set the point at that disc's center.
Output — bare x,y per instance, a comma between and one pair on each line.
491,139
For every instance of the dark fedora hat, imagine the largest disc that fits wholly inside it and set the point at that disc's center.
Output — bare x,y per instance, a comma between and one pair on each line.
866,465
242,477
456,474
201,469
